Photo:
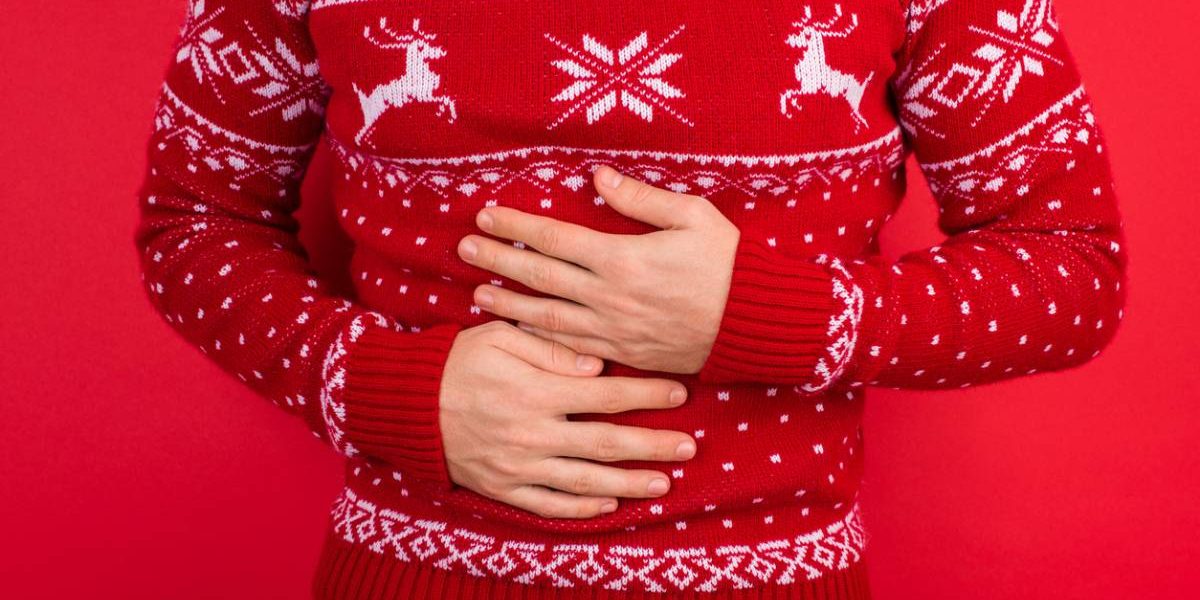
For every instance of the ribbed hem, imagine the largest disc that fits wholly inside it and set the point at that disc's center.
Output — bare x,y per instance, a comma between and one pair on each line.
391,397
353,572
777,320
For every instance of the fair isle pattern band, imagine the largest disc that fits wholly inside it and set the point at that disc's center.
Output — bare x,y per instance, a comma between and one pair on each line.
333,374
209,150
1004,169
556,169
843,329
782,561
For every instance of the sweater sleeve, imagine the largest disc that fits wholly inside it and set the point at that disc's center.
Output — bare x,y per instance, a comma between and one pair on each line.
237,119
1030,277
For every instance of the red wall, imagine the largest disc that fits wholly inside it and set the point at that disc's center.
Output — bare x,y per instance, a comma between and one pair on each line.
133,468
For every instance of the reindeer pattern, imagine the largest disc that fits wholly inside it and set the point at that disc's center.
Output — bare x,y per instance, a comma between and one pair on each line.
418,85
813,72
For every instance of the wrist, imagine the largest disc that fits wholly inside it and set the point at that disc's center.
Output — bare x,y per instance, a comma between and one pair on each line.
786,320
381,395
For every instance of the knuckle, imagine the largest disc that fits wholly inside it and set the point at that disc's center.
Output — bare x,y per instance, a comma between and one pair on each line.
550,510
501,468
665,446
635,484
583,484
561,356
606,446
553,318
497,328
492,489
642,193
521,439
610,400
549,239
541,275
583,510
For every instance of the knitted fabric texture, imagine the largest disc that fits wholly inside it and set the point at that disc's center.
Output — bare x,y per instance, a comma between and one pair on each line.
795,120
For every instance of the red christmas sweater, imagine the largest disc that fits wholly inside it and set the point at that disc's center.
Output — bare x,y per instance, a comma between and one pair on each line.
794,119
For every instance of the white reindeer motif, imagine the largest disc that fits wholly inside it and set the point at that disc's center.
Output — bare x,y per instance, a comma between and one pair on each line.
416,86
813,72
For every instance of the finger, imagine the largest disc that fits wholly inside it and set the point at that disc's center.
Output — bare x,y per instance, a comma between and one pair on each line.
551,313
662,208
584,344
547,355
611,395
561,239
553,504
585,478
606,442
538,271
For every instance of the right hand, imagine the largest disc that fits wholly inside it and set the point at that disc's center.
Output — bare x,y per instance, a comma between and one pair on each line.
505,397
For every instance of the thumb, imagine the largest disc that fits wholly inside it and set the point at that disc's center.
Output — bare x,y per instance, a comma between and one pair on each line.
637,200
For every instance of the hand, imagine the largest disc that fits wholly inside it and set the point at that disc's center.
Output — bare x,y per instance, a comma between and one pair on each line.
651,301
505,397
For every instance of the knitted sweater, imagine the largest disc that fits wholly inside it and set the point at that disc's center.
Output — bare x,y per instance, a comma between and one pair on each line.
795,120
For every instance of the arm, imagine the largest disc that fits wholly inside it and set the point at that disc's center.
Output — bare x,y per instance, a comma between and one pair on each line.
220,259
1030,277
484,407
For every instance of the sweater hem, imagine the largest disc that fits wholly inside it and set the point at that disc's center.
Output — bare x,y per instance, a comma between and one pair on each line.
377,551
347,571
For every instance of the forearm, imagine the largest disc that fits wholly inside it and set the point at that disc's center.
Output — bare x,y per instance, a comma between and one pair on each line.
1030,277
221,261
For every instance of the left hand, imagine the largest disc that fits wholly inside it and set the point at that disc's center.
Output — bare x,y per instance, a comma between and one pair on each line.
651,301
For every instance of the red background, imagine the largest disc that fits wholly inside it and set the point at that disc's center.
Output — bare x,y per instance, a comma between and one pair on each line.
132,468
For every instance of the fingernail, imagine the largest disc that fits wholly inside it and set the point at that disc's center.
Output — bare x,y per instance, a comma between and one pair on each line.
608,507
586,363
657,487
485,299
686,450
611,177
678,395
484,220
469,250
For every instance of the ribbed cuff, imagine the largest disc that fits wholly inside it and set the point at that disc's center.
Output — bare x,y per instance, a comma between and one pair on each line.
390,400
784,321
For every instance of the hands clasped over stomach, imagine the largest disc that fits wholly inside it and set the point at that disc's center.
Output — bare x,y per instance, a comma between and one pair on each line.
507,390
505,397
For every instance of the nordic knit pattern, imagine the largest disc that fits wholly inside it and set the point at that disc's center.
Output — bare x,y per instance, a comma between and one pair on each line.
794,119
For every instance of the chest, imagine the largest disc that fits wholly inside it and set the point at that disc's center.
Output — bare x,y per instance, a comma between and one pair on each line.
435,79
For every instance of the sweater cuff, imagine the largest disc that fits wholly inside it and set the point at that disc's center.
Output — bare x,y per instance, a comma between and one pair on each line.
786,320
382,398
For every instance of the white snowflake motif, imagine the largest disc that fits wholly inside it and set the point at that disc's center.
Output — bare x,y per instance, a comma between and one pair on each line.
631,76
1015,48
197,39
1018,45
277,75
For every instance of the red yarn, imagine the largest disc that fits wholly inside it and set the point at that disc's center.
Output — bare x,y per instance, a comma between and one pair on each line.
795,120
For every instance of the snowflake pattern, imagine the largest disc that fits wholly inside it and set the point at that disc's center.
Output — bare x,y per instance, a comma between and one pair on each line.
1017,45
631,77
276,74
198,40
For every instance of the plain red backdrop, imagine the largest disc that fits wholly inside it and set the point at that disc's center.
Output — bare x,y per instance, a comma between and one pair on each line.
131,467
